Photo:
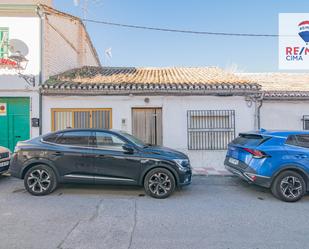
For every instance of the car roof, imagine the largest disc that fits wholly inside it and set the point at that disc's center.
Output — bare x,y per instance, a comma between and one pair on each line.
278,133
90,129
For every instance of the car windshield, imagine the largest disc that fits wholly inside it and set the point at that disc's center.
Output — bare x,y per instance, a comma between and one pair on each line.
133,139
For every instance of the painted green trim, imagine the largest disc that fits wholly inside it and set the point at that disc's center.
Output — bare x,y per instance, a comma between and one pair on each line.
4,49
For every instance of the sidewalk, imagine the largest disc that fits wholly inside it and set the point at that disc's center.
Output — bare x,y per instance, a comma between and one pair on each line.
209,171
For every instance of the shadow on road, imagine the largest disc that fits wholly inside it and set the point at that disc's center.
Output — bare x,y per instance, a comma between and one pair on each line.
201,187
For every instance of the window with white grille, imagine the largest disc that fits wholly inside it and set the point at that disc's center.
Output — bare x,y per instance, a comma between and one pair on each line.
210,129
305,122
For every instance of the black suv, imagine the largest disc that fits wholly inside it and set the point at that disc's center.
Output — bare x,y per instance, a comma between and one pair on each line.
98,156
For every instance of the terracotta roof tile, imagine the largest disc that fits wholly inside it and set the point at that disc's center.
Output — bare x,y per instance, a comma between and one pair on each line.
174,80
283,82
177,75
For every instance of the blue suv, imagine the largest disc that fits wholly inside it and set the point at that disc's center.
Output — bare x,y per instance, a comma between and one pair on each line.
274,159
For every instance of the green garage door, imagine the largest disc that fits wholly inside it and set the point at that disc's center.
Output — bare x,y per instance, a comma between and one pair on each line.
14,121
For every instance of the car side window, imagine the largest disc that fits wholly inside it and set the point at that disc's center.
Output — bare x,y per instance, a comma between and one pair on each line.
291,140
299,140
52,138
108,141
76,138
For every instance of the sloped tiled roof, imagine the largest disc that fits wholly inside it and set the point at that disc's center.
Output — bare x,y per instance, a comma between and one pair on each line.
131,79
280,81
281,85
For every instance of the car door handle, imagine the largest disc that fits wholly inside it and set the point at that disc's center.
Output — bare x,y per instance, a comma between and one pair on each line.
301,156
101,156
57,153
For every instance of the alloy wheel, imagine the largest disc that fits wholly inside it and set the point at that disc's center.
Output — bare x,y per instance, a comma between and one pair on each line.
159,184
39,180
291,187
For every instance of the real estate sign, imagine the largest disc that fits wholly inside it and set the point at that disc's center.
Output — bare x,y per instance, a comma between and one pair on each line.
294,41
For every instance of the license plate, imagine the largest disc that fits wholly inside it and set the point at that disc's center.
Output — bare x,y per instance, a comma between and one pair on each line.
233,161
3,164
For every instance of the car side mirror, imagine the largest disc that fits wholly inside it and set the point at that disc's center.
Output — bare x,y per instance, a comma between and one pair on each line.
129,148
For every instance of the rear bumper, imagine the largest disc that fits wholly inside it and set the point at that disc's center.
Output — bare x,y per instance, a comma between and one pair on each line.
248,174
15,167
4,169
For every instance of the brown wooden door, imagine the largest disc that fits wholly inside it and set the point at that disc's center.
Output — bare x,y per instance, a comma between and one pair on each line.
147,124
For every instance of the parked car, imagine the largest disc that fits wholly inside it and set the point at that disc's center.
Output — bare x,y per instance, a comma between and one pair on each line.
4,159
278,160
98,156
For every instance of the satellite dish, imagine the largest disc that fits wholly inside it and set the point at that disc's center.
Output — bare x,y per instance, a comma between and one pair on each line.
18,48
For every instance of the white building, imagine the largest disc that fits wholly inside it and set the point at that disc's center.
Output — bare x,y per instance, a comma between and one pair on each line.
284,101
194,110
36,41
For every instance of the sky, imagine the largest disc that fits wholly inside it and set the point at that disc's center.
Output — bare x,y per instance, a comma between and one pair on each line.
143,48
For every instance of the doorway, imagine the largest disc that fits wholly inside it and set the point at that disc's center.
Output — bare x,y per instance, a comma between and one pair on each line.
14,121
147,125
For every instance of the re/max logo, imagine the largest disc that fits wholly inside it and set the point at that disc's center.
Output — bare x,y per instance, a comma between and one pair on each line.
296,53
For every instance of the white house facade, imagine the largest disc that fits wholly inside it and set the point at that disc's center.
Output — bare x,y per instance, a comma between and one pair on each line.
33,39
194,110
284,100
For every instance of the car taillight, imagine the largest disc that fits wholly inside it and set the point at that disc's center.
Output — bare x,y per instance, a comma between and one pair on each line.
256,153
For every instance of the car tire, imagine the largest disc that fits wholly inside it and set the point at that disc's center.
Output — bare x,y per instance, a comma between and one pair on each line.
289,186
159,183
40,180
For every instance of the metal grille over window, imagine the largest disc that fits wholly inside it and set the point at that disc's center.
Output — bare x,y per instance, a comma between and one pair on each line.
81,118
210,129
306,122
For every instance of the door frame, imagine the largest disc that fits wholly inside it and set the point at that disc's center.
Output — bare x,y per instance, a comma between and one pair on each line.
149,107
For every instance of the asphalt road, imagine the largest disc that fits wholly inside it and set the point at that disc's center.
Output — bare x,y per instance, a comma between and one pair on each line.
214,212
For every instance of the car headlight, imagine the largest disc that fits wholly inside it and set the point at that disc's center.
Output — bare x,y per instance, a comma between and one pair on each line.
183,164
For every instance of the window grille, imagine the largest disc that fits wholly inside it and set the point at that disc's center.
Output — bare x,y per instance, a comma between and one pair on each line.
81,118
210,129
305,122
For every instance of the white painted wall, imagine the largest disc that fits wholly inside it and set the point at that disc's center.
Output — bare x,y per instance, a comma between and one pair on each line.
174,117
26,29
283,115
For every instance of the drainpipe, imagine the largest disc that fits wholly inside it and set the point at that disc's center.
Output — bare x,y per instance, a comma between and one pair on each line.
259,102
40,13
